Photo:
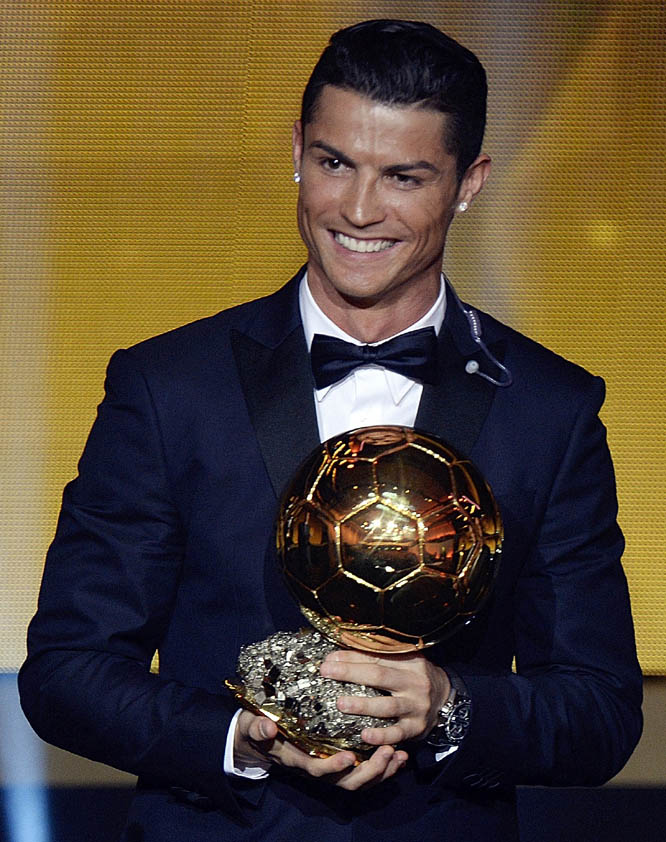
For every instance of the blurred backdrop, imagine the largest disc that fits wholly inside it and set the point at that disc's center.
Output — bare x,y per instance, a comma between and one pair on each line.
146,181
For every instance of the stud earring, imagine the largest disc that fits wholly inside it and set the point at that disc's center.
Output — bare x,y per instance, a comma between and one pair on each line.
462,207
297,177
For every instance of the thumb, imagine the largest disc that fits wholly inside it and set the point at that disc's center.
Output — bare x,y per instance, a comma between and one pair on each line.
262,728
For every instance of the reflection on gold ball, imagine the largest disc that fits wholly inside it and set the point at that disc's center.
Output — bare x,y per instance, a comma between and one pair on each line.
388,539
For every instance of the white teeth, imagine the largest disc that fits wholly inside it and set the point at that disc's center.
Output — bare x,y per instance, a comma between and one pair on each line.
362,245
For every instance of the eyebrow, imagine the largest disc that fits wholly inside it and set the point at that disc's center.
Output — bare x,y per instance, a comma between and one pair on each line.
394,168
413,165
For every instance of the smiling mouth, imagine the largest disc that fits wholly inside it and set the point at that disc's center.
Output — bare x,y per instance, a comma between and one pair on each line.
362,246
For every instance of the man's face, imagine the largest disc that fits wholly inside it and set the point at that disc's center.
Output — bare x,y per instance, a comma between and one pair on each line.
377,194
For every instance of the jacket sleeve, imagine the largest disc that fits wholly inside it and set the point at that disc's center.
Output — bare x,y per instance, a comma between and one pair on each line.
110,579
570,713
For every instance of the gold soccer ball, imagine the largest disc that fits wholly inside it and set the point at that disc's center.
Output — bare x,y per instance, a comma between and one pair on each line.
388,539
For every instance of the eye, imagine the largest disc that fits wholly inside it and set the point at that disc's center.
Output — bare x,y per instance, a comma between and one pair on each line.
332,164
401,179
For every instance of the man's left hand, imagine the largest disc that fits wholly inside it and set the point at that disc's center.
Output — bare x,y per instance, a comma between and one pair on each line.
417,688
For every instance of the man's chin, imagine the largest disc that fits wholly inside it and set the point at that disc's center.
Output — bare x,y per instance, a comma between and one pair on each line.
362,294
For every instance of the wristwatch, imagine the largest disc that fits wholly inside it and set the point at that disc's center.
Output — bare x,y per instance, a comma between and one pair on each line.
454,717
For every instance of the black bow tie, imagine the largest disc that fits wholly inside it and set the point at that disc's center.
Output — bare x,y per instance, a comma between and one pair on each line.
412,354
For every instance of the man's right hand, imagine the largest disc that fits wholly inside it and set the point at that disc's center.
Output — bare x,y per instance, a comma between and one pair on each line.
257,739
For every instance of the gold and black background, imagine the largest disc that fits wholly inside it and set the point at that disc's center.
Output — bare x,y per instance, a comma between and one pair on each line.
145,181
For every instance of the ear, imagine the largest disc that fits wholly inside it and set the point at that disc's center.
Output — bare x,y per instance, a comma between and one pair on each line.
297,144
474,179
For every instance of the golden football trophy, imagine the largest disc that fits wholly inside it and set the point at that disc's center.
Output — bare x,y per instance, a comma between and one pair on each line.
389,540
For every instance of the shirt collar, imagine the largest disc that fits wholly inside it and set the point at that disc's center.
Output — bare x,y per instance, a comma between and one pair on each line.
316,321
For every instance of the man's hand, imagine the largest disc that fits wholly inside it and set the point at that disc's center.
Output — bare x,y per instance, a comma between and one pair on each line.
257,739
418,690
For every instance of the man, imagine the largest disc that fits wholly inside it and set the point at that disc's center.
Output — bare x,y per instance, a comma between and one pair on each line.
165,538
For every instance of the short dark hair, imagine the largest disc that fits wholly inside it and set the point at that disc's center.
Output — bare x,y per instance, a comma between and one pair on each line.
400,62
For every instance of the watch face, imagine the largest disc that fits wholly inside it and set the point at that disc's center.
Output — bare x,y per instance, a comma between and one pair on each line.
458,720
454,720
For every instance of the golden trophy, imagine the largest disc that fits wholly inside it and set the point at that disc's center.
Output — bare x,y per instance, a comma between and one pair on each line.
389,541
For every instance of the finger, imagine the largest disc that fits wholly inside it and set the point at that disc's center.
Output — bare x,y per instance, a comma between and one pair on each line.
380,676
397,762
379,766
370,771
288,755
384,707
351,656
400,660
404,729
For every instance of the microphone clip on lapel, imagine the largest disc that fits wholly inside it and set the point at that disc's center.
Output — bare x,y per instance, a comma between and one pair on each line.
472,366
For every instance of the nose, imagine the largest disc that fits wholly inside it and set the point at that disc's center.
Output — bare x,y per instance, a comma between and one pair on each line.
361,203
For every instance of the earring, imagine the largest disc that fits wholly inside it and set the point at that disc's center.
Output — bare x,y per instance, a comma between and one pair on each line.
462,207
297,177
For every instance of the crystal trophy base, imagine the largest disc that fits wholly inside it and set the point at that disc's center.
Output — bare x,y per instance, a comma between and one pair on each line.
280,679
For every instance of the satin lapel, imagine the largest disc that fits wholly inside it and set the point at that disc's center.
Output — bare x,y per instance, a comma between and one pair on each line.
457,407
277,383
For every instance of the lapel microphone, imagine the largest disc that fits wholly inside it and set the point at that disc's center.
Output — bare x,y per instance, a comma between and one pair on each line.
474,322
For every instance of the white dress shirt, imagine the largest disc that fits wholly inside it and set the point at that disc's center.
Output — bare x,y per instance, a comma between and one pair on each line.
367,396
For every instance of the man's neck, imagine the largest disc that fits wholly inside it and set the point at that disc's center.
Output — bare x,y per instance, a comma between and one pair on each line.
369,320
315,320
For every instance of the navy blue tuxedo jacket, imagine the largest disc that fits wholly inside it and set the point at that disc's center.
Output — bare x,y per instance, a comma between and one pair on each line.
165,541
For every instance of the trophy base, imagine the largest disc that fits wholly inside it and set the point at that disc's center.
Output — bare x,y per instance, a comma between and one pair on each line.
281,680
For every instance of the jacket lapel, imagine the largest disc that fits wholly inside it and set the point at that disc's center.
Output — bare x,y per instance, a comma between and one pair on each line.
456,408
274,369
